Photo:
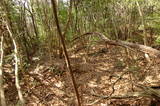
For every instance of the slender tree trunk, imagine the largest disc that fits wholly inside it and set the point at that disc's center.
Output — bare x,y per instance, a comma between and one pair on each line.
2,96
16,67
144,30
143,23
34,22
65,51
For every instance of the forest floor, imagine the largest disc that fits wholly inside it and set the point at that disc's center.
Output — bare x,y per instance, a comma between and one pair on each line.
101,71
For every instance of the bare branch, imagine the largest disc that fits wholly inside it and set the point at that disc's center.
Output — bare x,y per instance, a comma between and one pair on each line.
145,49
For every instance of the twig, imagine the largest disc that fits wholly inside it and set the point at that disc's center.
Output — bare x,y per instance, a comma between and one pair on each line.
147,92
113,84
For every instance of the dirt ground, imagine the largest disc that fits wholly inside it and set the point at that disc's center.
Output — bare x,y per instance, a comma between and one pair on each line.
99,71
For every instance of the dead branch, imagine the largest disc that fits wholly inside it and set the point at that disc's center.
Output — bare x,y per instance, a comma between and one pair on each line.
142,48
101,97
147,92
113,84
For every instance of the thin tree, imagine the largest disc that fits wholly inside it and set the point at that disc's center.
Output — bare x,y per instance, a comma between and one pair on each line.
143,23
16,66
2,96
54,6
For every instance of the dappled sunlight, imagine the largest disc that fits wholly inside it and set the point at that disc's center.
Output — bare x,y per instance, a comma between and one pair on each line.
79,53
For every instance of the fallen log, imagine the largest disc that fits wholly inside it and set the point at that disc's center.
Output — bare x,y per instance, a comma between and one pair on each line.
145,49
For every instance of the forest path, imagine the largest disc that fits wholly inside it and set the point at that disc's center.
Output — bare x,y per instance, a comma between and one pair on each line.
48,82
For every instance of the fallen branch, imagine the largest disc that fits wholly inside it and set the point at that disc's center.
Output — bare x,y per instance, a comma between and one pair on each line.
147,92
145,49
120,77
127,96
150,92
101,97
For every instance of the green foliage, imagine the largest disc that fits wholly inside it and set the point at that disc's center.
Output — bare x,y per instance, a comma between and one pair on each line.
158,40
115,18
63,16
134,68
69,36
56,70
119,64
